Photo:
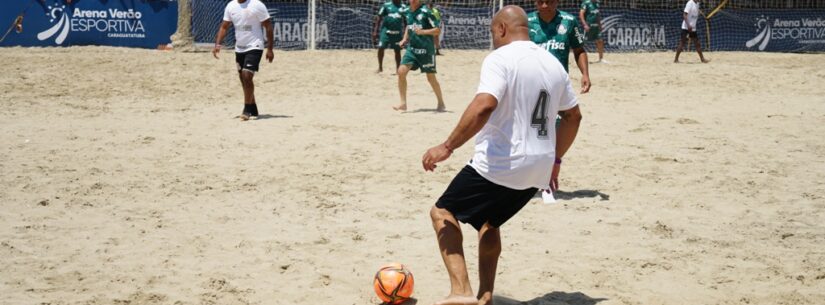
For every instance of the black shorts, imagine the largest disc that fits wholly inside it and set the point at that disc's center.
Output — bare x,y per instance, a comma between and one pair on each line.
686,34
475,200
249,60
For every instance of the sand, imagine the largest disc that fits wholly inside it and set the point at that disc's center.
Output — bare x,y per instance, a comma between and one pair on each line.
127,179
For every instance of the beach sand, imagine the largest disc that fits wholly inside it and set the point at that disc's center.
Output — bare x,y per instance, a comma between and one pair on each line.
127,179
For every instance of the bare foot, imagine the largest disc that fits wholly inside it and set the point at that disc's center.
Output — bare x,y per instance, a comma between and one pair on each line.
486,299
441,108
244,117
400,107
675,61
379,70
705,60
458,300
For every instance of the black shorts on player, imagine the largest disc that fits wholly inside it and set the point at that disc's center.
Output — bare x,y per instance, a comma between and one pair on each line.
686,34
249,60
475,200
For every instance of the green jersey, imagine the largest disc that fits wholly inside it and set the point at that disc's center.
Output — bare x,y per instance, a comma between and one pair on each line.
392,17
423,19
591,12
558,36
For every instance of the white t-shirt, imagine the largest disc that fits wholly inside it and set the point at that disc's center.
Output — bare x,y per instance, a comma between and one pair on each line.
692,10
246,18
515,148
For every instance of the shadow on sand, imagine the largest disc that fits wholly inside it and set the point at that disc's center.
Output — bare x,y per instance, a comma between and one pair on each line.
553,298
562,195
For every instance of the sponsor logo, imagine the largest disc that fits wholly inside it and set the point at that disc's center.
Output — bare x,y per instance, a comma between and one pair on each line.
553,45
113,22
632,34
289,31
801,30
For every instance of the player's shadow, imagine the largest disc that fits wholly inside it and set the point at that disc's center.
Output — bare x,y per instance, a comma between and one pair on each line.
273,116
562,195
553,298
427,110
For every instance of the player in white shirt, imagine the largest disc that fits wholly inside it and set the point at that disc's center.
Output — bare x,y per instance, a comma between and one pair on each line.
517,150
250,18
689,17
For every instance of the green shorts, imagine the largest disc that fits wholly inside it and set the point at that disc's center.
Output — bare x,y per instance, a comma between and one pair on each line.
388,40
594,34
419,58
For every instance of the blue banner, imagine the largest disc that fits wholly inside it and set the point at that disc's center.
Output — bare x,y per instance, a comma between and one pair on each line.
127,23
466,28
728,30
634,30
768,30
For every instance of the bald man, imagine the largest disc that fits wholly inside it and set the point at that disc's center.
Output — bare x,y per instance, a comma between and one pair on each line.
517,150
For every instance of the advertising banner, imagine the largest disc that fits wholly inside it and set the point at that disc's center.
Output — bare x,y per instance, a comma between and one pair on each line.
127,23
769,30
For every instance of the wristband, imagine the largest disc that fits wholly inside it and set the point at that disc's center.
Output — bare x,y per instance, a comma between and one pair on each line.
448,147
558,160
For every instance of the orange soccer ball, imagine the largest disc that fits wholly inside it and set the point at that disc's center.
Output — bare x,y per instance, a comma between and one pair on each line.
393,283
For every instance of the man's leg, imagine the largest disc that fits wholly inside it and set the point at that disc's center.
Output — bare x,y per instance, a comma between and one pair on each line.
402,87
489,249
699,50
448,234
600,48
437,89
679,48
380,60
397,58
250,109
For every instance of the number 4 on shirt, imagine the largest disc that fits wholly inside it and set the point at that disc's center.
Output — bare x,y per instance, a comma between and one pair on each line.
539,119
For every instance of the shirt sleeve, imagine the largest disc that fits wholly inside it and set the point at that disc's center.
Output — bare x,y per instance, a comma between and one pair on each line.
575,35
493,78
434,22
688,7
263,13
226,16
382,11
584,6
567,99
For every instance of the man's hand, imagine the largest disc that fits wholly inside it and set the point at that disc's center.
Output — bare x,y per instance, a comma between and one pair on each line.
269,55
586,28
690,29
434,155
216,50
374,38
554,177
585,84
402,43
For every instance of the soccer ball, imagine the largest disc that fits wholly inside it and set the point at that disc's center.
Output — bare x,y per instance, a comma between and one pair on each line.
393,283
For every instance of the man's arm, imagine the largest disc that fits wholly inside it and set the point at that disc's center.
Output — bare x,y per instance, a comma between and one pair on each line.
685,18
431,32
568,129
473,119
378,20
270,39
565,135
221,34
581,62
584,22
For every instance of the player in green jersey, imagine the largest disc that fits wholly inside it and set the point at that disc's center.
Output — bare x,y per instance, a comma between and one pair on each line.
558,32
389,22
591,20
420,52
